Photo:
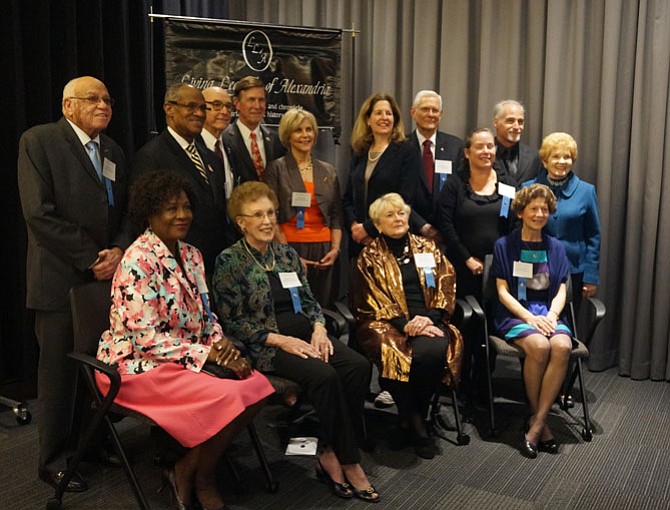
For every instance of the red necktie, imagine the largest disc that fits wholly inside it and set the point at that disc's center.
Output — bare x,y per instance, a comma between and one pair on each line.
217,150
256,157
428,164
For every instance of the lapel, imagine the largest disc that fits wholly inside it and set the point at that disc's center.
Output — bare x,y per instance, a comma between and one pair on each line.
240,147
78,150
295,181
207,160
183,160
170,263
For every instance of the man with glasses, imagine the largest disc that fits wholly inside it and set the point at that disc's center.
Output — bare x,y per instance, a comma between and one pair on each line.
72,183
216,120
180,149
253,146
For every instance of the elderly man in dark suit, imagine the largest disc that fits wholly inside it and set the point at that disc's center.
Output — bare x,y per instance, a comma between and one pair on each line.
513,157
179,148
252,145
72,182
216,121
434,146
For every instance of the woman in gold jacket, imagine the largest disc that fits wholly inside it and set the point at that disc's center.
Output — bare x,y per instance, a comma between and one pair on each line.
404,296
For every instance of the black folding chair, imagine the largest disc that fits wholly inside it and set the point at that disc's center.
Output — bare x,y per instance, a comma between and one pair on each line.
90,305
492,344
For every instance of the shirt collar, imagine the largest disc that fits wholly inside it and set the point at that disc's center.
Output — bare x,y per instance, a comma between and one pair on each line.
209,139
183,143
245,131
422,138
83,137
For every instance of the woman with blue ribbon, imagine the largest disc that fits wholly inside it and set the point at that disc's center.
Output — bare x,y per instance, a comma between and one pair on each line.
531,271
264,300
404,295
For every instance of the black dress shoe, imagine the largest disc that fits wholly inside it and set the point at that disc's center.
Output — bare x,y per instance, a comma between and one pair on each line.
76,483
548,446
425,447
528,449
341,490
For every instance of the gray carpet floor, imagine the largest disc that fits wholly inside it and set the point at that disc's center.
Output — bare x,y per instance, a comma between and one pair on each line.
625,466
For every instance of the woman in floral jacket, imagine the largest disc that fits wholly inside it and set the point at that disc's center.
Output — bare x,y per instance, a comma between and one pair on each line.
161,335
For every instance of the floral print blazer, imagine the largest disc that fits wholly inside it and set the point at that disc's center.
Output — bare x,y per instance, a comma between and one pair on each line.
157,315
244,300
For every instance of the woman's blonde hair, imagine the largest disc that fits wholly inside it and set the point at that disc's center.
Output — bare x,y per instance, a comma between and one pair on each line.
290,122
386,202
361,135
553,141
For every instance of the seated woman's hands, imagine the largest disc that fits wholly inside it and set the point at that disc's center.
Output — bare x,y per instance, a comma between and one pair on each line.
292,345
545,325
224,353
421,325
321,342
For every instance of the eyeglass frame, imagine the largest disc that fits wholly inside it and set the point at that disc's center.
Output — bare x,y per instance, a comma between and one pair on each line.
261,215
191,107
229,106
109,101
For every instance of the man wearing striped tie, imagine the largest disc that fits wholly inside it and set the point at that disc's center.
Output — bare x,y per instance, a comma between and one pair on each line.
179,148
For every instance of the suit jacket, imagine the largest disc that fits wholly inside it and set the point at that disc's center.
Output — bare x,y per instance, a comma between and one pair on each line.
66,211
283,176
398,171
241,161
210,231
447,147
157,315
528,167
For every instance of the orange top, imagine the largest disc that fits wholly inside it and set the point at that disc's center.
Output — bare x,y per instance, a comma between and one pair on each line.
315,231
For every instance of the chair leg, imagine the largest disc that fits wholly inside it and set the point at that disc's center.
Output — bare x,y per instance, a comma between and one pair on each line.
490,388
587,432
271,485
461,438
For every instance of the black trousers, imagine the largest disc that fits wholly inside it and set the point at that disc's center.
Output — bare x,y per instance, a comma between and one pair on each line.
56,384
426,371
337,390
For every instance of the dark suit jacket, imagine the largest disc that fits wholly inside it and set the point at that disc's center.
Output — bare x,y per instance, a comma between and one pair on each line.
283,176
528,167
210,231
66,211
447,147
398,171
241,161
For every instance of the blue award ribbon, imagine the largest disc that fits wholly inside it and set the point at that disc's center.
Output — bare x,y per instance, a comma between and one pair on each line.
443,179
295,299
430,279
504,207
205,305
300,223
521,289
110,195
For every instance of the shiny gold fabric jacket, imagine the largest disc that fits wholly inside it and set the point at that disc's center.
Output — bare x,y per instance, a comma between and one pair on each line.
378,297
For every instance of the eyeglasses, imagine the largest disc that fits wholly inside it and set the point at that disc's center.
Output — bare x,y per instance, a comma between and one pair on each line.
109,101
218,105
260,215
191,107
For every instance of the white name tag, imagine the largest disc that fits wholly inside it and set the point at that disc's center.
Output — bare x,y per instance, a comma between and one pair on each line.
442,166
424,260
299,199
289,280
522,269
506,190
200,282
109,169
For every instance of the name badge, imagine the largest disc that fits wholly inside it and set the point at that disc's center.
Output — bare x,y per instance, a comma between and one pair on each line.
443,166
299,199
506,190
424,260
202,285
289,280
522,269
109,170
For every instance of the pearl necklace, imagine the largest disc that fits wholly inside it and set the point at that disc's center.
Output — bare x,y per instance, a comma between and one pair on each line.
263,267
373,159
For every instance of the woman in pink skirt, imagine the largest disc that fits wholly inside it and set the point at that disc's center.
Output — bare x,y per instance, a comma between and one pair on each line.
161,335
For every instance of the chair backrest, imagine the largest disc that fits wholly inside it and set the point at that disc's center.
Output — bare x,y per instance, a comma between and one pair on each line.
90,303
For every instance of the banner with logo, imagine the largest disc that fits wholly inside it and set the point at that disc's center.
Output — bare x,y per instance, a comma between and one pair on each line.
300,66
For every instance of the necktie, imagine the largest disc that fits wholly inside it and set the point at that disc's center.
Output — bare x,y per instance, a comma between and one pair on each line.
94,155
510,161
428,163
218,151
193,154
256,157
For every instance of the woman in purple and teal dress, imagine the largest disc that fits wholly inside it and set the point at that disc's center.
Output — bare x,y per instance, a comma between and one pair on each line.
531,271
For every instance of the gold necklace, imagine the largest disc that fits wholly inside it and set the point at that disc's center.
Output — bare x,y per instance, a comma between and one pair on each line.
263,267
306,168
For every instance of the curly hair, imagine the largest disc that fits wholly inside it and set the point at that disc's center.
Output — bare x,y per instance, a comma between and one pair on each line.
361,135
152,190
246,192
526,195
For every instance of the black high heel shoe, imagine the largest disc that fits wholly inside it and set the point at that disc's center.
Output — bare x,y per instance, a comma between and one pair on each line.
548,446
168,481
370,494
341,490
527,448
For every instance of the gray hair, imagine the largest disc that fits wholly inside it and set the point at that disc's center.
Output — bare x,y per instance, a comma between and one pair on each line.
426,93
498,108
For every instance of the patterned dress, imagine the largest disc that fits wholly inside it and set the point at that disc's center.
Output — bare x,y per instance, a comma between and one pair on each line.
160,337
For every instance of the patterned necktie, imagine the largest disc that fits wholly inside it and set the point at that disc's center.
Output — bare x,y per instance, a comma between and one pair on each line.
193,154
256,157
428,164
94,155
